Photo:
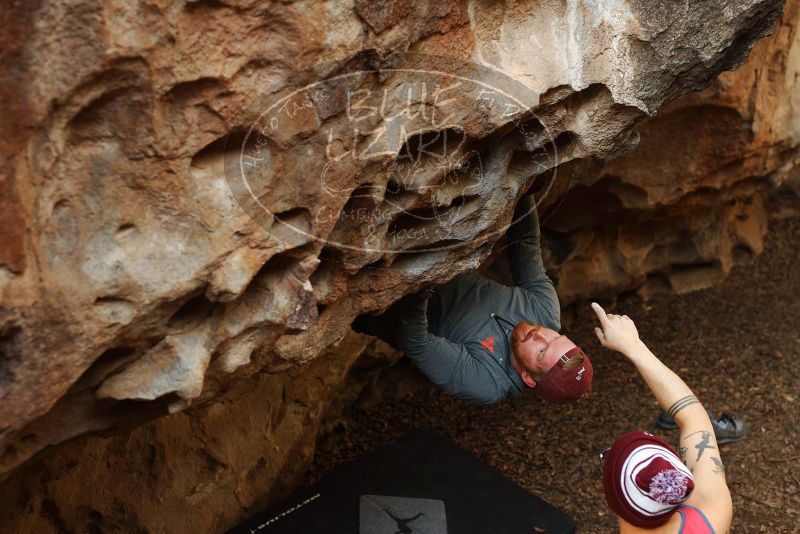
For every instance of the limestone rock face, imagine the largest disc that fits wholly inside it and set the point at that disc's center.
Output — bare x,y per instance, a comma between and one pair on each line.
197,198
678,211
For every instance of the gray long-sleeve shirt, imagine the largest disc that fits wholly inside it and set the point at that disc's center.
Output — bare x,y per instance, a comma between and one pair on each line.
452,336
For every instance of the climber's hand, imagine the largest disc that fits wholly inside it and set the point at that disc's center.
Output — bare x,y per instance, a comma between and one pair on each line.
616,332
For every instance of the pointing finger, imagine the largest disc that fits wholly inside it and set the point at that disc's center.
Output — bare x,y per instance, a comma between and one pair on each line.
601,313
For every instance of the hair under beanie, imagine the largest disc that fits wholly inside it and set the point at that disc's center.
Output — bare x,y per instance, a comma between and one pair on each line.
644,480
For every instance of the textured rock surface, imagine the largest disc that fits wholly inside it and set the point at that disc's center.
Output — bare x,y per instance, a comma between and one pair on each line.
133,283
678,211
197,470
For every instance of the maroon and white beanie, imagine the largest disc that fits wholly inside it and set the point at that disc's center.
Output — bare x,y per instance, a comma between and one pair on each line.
644,480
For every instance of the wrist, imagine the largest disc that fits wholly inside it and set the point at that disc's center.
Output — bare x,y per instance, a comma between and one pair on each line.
636,350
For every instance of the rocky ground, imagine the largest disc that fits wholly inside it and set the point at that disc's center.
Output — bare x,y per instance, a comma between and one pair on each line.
738,347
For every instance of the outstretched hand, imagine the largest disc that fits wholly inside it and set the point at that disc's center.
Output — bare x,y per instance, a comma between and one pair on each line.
616,332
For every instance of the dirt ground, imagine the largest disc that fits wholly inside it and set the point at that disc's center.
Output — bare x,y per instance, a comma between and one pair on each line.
737,345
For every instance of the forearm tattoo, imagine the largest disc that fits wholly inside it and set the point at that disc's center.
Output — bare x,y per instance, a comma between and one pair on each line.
680,404
718,467
705,443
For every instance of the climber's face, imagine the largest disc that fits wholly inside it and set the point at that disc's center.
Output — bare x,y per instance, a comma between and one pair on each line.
536,349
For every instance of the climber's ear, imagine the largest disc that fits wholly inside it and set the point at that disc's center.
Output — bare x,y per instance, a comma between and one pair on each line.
528,379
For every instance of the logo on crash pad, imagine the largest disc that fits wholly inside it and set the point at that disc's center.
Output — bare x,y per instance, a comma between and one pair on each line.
382,514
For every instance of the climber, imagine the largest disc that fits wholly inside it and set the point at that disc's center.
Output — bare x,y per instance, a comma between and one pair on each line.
483,341
644,481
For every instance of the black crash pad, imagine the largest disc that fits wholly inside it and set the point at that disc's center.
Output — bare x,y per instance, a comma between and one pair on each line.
418,484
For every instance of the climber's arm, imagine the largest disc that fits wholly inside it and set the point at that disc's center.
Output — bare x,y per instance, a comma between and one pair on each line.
525,257
447,364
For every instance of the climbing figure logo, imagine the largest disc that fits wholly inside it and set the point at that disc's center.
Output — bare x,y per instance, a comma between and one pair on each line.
402,524
382,514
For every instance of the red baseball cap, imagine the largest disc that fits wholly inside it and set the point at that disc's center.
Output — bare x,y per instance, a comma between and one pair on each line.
563,386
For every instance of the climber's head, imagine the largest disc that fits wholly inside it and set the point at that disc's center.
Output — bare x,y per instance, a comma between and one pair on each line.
551,363
644,480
